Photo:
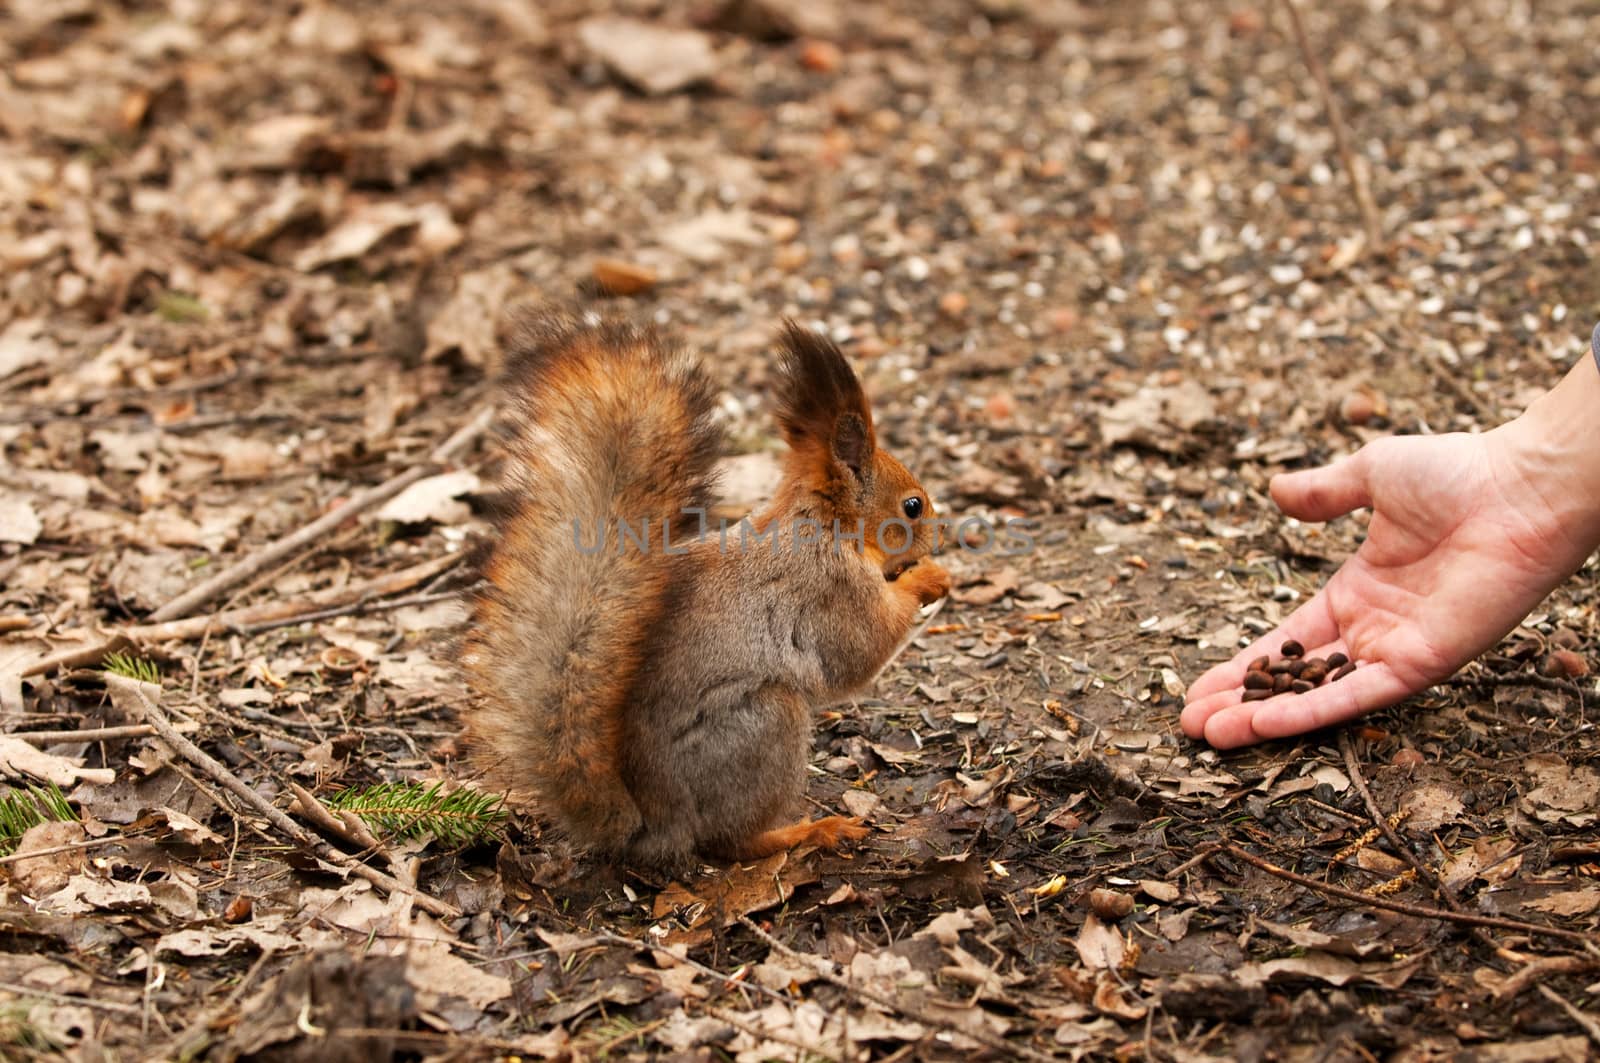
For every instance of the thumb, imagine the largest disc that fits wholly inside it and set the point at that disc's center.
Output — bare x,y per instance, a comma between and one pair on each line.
1325,493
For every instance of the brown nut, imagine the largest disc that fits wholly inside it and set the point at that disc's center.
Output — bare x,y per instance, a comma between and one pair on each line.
1257,681
1315,671
1281,682
1343,670
1110,904
1563,664
1259,664
1336,661
1257,695
1292,649
1300,686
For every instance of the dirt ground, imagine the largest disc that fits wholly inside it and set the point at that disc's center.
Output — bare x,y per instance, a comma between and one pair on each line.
1100,267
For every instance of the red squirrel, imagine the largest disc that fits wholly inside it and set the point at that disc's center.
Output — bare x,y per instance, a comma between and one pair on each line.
647,680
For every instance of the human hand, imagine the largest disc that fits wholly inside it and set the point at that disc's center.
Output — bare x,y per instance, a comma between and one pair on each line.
1468,534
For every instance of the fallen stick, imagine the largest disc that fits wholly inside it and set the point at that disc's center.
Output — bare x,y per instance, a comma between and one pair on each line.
278,613
274,815
1590,1024
237,573
1421,911
88,734
1341,140
1352,767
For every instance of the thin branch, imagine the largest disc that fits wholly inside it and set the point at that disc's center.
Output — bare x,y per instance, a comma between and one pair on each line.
88,734
277,613
1420,911
92,843
1590,1024
1352,767
237,573
1341,140
301,836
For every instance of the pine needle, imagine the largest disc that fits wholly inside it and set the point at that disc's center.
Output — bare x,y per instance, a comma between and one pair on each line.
22,810
136,668
411,810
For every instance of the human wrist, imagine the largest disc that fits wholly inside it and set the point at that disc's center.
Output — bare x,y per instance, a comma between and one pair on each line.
1555,444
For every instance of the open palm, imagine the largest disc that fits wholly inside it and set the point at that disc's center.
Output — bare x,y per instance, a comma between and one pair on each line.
1461,546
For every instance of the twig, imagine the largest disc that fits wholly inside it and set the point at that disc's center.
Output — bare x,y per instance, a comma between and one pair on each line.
360,608
236,619
237,573
1538,969
88,734
301,836
1589,1023
916,1014
1341,140
1524,679
92,843
62,998
1352,767
1421,911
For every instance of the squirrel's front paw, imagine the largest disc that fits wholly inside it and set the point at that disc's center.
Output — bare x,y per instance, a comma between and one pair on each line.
928,580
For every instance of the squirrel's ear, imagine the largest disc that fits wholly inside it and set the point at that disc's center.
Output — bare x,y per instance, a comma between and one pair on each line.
820,401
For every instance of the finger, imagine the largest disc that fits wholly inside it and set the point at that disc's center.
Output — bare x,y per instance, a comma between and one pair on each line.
1310,625
1325,493
1369,687
1199,711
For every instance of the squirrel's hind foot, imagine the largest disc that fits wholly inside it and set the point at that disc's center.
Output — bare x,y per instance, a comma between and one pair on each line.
830,832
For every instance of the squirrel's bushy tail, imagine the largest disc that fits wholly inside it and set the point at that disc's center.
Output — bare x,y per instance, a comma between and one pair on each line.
611,437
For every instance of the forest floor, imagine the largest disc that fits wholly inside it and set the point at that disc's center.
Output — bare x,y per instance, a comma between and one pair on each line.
1100,268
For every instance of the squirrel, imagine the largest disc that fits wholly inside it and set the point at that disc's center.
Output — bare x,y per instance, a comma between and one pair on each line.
650,684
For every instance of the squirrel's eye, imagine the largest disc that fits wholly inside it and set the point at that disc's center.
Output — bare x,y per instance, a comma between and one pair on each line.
913,507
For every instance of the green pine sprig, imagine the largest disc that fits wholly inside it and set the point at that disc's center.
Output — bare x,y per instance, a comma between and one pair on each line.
131,667
22,810
411,810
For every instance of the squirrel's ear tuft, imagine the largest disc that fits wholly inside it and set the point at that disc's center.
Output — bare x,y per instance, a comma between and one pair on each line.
820,401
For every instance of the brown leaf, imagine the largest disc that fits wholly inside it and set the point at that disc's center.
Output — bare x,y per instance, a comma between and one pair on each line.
742,889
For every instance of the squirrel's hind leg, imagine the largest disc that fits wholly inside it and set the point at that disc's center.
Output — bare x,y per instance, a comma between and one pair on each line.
830,832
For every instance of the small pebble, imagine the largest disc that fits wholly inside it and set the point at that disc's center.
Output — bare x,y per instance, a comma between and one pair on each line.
1408,758
822,56
1565,639
952,304
1000,406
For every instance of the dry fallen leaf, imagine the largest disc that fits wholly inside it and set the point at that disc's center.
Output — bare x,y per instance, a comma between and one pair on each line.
21,760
